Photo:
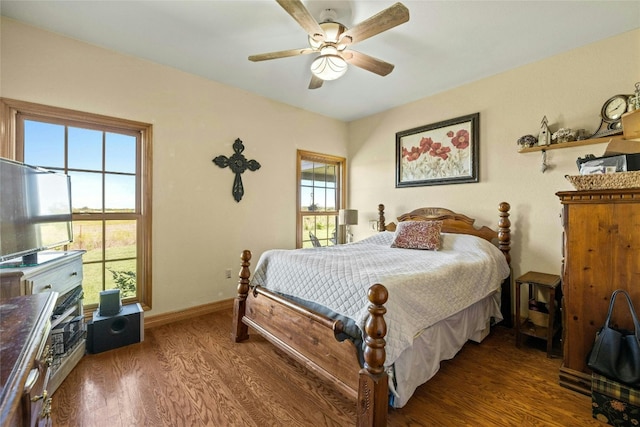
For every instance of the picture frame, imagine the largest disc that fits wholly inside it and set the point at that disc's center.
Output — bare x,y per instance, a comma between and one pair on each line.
440,153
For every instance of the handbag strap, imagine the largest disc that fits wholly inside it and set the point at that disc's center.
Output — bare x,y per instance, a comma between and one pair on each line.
634,316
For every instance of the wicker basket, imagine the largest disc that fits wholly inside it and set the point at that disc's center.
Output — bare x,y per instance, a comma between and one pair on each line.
605,181
538,318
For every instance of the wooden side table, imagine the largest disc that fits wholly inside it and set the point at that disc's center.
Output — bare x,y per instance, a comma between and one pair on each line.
525,326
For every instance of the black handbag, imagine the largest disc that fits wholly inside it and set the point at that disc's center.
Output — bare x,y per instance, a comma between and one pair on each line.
616,352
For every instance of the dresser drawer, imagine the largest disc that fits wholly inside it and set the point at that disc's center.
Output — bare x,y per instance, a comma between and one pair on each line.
60,279
36,398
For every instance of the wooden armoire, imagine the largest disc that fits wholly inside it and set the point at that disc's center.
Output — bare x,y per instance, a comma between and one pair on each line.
601,249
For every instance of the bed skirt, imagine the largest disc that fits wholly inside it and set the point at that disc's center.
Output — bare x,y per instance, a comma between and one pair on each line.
442,341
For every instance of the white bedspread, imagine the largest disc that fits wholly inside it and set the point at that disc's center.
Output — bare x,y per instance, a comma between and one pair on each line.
424,286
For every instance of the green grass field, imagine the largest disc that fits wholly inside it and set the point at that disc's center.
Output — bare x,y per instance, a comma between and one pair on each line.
93,271
119,254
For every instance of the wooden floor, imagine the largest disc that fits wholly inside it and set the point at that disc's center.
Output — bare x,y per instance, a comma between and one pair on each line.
189,373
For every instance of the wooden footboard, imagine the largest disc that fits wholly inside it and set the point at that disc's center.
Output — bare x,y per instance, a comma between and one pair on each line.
310,338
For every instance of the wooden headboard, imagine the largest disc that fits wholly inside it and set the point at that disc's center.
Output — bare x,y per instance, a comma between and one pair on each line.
453,222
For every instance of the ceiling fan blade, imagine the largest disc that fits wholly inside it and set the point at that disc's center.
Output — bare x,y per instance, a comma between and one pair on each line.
315,82
296,9
367,62
382,21
280,54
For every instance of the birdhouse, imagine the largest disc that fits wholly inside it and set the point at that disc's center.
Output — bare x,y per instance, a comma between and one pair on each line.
544,137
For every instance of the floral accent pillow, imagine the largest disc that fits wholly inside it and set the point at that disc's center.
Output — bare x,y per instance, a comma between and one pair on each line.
418,235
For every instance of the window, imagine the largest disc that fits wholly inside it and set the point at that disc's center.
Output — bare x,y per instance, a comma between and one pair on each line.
109,163
320,196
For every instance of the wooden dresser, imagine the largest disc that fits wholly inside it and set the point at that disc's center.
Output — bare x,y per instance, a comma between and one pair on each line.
601,251
60,272
25,353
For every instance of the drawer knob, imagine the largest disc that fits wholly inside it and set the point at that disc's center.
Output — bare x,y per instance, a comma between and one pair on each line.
41,397
75,273
49,286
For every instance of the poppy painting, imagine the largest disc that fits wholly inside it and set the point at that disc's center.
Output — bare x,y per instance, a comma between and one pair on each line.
440,153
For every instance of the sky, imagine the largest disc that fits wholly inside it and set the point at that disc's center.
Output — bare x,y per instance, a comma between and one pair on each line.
87,149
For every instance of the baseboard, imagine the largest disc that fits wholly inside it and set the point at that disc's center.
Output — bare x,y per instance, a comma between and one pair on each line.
174,316
575,380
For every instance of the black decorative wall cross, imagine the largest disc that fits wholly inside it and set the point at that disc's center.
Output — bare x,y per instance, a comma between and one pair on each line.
238,164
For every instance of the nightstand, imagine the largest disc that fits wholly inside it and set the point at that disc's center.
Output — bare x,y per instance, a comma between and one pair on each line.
538,324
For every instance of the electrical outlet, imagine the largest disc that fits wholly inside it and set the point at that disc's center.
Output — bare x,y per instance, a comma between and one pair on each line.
227,273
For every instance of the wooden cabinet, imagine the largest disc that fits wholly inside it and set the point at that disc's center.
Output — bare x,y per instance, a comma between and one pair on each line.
26,358
601,254
60,273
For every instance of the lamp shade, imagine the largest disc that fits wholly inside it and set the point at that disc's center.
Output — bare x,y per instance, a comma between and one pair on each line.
347,217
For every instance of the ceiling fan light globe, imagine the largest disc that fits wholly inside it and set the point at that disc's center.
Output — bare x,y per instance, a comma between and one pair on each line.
329,67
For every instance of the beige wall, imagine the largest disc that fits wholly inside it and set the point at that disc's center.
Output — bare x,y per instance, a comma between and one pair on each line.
198,228
569,89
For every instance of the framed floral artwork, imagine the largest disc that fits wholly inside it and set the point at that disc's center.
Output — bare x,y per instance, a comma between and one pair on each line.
440,153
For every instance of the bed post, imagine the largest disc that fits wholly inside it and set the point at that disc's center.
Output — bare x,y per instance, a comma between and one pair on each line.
240,331
504,244
381,225
504,231
373,389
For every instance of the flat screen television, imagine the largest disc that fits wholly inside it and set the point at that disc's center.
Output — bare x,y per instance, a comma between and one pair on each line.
35,212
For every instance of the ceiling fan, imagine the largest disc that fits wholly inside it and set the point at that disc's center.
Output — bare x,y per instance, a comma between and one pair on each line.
331,39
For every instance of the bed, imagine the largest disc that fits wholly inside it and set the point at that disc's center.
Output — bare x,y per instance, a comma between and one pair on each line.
359,315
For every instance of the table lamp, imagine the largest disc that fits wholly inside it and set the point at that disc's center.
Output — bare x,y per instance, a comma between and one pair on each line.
348,217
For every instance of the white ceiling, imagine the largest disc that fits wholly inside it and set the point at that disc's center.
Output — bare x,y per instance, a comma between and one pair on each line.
445,44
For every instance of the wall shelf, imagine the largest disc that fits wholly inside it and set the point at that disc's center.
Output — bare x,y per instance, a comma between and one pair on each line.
571,144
